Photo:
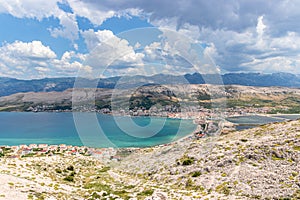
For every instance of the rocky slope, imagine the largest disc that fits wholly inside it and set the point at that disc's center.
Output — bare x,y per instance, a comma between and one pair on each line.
12,86
261,163
146,96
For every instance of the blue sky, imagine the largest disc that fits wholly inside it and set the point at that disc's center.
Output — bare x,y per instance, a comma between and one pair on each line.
27,30
58,38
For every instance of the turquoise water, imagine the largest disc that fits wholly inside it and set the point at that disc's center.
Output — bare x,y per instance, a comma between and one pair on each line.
59,128
251,121
288,116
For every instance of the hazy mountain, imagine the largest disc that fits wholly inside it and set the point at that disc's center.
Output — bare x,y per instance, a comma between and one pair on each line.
11,86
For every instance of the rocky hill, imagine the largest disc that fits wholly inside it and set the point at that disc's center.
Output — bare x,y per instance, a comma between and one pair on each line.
11,86
278,98
261,163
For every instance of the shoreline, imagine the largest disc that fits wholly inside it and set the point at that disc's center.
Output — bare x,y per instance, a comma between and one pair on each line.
186,137
40,149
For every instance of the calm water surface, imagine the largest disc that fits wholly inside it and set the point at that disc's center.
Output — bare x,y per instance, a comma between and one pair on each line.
59,128
251,121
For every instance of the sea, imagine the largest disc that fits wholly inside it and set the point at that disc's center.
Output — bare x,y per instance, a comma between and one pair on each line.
90,129
251,121
102,131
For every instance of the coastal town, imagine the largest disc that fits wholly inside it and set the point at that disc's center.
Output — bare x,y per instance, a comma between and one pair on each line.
189,112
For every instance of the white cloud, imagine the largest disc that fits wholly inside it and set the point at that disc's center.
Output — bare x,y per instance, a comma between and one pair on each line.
34,60
43,9
279,64
69,27
186,29
240,35
42,69
260,26
94,14
239,31
289,42
92,38
106,49
31,50
68,65
254,49
30,8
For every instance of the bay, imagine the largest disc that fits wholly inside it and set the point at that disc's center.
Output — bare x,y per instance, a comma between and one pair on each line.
251,121
59,128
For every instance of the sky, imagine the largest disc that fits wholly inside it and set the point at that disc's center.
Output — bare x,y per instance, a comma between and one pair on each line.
59,38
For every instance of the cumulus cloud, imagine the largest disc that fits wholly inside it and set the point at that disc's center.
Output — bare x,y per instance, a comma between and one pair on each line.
34,60
34,50
69,27
43,9
254,49
115,56
95,14
108,50
238,35
215,14
240,31
30,8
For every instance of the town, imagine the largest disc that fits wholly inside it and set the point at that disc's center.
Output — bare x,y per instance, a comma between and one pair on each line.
170,111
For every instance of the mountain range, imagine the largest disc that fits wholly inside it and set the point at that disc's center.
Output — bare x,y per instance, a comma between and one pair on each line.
11,85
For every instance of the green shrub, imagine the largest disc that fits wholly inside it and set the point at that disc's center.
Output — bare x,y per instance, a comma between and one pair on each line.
95,195
72,174
196,174
223,188
187,161
69,178
223,174
70,168
297,148
104,169
146,192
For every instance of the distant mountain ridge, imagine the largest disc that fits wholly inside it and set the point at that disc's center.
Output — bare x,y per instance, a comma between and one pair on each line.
11,85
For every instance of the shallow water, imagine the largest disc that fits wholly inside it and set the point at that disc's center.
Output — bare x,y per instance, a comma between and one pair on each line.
59,128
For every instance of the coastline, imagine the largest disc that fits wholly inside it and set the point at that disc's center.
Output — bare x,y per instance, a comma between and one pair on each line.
174,140
111,153
62,130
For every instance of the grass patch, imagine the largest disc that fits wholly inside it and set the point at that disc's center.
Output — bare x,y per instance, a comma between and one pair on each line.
146,192
276,158
97,187
296,148
295,174
196,174
104,169
223,174
69,178
223,188
187,160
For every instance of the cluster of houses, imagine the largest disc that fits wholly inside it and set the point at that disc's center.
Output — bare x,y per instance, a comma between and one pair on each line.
49,150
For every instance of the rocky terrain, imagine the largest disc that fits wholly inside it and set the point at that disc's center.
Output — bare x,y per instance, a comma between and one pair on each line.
147,96
259,163
12,86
